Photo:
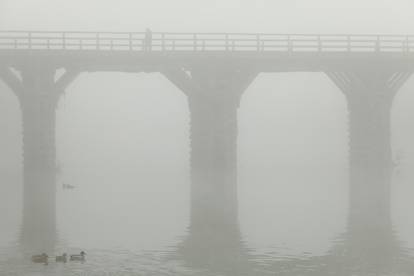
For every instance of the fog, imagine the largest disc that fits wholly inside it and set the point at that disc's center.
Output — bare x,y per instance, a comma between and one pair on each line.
297,16
291,178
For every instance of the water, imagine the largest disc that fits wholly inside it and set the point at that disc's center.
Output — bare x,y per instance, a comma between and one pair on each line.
279,235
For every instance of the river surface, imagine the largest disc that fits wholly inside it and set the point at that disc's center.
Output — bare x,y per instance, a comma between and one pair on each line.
136,234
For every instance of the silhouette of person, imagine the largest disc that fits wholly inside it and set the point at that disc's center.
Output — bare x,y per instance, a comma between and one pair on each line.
148,40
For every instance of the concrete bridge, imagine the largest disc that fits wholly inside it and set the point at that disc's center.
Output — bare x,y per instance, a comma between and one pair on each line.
212,70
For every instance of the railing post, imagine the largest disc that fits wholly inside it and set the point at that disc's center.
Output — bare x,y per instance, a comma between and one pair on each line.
163,41
319,44
290,46
377,44
407,46
30,40
97,46
130,41
227,42
258,42
349,43
64,41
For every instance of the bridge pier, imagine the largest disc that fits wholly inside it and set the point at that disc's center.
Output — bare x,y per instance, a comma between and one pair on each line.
38,95
370,93
38,104
214,96
370,159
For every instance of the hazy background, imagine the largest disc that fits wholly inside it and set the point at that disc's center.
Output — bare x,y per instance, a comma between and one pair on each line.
123,139
318,16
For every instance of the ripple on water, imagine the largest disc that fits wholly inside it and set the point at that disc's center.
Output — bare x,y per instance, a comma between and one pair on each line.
99,263
15,262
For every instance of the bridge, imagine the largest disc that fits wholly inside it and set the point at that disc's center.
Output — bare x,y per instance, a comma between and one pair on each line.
212,70
117,49
201,42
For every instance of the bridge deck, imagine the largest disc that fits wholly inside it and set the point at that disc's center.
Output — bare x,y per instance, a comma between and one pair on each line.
119,50
118,41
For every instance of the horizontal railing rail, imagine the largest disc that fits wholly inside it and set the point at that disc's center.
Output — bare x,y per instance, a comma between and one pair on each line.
228,42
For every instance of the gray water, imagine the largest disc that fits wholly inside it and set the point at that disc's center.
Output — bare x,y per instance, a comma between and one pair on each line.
128,159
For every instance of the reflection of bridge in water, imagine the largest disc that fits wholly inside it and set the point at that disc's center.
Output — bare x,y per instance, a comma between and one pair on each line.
213,71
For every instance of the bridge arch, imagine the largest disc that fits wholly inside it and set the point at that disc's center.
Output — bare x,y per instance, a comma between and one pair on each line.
124,136
403,161
10,165
288,123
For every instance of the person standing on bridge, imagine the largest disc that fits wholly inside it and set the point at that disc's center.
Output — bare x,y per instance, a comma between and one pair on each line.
148,40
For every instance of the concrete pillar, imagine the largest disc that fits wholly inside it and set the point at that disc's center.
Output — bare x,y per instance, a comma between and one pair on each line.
38,104
214,155
370,93
370,157
214,94
38,94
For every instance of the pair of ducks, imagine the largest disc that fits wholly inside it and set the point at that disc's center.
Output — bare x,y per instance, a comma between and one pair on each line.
44,258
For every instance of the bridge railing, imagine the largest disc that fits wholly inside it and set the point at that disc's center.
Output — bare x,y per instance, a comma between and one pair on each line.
231,42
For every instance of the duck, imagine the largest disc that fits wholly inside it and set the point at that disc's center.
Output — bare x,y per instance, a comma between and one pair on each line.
62,259
42,258
67,186
80,257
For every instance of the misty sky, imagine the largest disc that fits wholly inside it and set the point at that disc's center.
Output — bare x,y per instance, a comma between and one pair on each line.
276,16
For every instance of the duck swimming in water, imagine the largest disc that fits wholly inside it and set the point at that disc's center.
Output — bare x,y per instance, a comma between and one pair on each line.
42,259
67,187
80,257
62,259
